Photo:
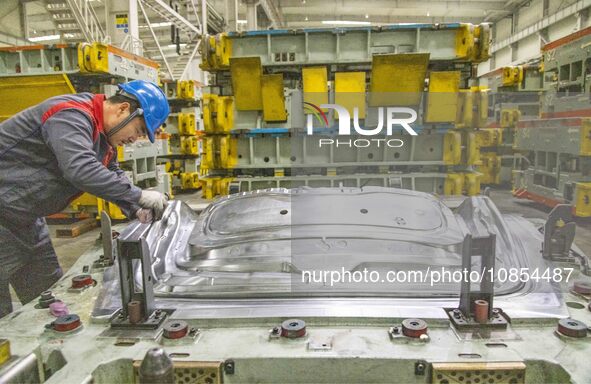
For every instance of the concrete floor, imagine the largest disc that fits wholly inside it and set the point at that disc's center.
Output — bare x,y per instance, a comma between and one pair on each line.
69,249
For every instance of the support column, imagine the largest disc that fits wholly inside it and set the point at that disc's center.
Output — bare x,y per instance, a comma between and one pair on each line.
251,15
231,15
133,28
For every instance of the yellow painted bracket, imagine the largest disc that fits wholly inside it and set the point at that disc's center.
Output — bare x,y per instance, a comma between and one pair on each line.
228,151
93,57
483,37
350,92
207,157
21,92
397,79
112,210
452,148
454,184
585,142
466,43
442,102
509,118
315,85
187,125
247,75
583,199
489,137
273,98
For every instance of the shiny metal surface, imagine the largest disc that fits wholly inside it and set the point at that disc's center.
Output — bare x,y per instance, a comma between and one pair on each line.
246,253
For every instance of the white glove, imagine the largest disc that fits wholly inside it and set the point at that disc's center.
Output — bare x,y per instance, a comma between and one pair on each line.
155,201
144,215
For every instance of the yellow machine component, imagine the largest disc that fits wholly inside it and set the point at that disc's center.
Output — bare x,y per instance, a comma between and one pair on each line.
279,172
185,89
190,180
227,151
464,115
214,186
478,372
452,148
187,125
350,91
482,116
247,75
585,142
442,104
489,137
215,52
207,157
454,184
93,57
189,145
208,103
112,209
512,76
583,199
21,92
472,149
397,79
315,85
224,114
510,118
466,43
472,183
483,37
273,98
490,168
4,351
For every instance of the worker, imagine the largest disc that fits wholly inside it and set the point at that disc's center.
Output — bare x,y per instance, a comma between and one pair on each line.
53,152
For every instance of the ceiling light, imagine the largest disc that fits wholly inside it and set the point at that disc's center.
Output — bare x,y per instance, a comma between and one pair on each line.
44,38
345,22
366,16
306,18
241,21
428,14
303,1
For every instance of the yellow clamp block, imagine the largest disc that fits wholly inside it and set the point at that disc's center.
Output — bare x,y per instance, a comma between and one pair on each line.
472,149
224,114
187,126
585,146
489,137
472,183
209,108
454,184
93,57
465,42
452,148
4,351
512,76
190,180
215,52
215,186
227,151
464,115
483,36
207,157
185,89
510,118
189,145
583,200
490,168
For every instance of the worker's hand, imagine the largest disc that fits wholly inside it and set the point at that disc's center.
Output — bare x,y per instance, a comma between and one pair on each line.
155,201
144,215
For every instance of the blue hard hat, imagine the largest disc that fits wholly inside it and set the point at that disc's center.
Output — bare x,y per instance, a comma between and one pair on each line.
153,102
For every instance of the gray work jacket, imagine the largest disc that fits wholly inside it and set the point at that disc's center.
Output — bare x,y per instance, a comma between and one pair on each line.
52,152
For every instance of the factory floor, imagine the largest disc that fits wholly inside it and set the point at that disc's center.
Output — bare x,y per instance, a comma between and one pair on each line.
69,249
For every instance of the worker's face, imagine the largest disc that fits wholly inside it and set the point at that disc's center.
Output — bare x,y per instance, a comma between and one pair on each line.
131,132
